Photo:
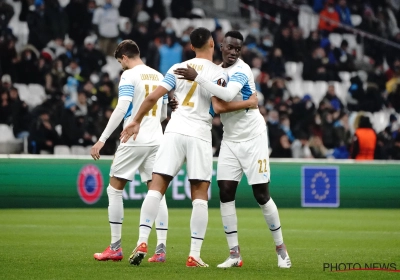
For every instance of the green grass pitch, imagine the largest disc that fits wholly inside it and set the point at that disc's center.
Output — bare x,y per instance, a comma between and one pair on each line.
59,244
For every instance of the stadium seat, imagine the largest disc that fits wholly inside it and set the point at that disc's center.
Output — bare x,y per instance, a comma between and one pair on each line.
356,20
351,39
62,150
320,90
78,150
64,3
112,67
225,24
38,91
24,93
335,39
295,88
345,76
6,133
380,120
294,70
8,143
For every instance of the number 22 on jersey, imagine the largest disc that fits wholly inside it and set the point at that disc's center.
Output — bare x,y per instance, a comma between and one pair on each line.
154,110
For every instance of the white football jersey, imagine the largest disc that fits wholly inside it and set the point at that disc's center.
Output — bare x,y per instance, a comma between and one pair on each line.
194,114
242,125
135,85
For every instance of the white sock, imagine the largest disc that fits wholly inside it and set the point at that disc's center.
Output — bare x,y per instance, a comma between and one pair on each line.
148,214
198,226
229,221
162,222
115,215
271,215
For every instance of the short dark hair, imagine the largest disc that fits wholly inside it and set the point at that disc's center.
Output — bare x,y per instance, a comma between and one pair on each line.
128,48
199,37
234,34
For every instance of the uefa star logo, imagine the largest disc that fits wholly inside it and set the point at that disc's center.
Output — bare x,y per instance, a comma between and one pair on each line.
325,180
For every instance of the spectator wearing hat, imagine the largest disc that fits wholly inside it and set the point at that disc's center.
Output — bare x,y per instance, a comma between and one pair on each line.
6,82
364,141
90,59
106,19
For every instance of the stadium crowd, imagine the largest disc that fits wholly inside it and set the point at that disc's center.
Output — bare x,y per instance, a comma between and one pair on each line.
68,47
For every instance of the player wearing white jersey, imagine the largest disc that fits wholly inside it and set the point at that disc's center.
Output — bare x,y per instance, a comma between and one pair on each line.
137,81
244,148
187,137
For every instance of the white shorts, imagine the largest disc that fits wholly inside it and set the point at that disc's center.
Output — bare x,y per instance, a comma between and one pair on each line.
175,148
128,159
250,157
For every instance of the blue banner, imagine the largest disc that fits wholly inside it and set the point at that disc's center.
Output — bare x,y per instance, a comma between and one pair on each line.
320,186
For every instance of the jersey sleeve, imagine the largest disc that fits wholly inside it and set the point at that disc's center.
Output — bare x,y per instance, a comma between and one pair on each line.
126,89
169,81
217,86
240,77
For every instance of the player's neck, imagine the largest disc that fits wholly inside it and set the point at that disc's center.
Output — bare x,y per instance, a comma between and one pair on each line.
204,54
135,62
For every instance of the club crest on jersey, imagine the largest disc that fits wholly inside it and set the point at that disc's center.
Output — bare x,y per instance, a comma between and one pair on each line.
221,82
90,184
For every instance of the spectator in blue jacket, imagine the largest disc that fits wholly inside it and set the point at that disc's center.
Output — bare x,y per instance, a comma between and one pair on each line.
344,13
170,53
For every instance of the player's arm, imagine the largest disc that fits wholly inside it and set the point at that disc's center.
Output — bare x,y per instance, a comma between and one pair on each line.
221,106
114,121
225,93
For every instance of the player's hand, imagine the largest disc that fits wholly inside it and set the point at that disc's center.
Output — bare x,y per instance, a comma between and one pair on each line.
188,73
173,103
95,150
253,101
131,129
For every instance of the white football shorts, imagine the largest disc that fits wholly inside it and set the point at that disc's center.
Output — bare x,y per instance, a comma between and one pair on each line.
250,157
175,148
128,159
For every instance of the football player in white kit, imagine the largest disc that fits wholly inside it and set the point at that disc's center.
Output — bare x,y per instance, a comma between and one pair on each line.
187,137
244,149
137,81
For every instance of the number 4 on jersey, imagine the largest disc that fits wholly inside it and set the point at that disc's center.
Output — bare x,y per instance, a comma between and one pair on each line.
154,110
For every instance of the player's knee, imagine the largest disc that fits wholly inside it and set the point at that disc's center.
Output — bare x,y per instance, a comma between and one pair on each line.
226,195
262,198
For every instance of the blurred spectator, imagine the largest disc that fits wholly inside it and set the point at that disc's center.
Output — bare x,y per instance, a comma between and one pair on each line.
91,60
299,46
181,8
328,18
344,59
384,144
58,77
140,34
6,82
20,115
154,8
344,13
342,131
331,96
78,20
273,127
39,28
106,19
27,67
42,135
70,52
364,141
276,64
394,99
170,53
372,100
328,131
300,147
6,13
57,19
316,67
5,107
313,41
285,126
302,113
317,148
284,42
395,151
8,56
282,148
377,76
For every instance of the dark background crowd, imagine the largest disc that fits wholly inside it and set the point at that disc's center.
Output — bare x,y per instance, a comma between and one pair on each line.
69,47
